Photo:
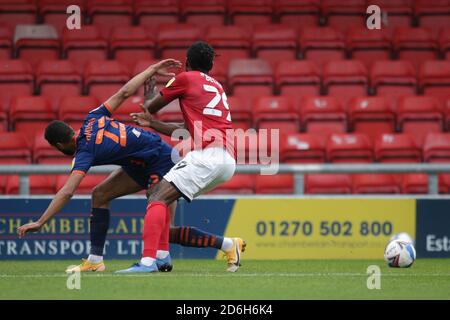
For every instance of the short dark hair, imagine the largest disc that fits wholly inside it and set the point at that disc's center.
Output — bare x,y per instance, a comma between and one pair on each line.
58,132
200,56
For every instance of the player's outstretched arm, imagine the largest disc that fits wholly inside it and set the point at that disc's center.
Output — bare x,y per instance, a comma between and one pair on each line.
145,119
61,199
137,81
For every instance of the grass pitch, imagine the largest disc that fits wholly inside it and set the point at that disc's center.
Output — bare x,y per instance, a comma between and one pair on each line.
207,279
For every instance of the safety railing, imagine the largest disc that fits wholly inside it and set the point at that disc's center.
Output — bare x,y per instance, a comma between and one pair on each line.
298,170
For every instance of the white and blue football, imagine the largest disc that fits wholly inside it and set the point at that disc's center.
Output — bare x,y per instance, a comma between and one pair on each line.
400,254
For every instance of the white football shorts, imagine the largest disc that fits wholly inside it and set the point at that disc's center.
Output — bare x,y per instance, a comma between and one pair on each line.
201,171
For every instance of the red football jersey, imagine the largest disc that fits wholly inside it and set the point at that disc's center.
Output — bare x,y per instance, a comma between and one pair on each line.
204,106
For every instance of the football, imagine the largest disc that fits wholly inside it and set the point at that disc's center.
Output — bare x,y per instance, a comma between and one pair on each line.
400,254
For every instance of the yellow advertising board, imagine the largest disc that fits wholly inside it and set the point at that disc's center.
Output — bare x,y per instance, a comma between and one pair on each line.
320,228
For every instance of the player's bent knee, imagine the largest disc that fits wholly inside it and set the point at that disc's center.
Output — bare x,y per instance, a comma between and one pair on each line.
99,197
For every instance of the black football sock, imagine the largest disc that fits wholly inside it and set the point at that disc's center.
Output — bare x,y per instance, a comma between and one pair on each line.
99,228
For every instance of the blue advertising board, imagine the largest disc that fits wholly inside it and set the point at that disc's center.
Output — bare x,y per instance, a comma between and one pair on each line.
294,228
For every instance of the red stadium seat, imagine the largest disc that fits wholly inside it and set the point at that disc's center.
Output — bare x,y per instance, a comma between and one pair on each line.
302,148
203,12
344,14
3,119
435,78
298,13
275,43
54,12
437,147
375,183
128,106
415,183
419,116
15,148
57,79
44,153
220,72
39,184
3,185
274,184
129,44
368,46
444,183
433,14
5,42
323,115
328,184
84,45
250,12
171,113
36,42
371,116
156,12
349,148
13,12
397,148
399,13
30,114
103,78
109,13
86,185
444,42
174,39
241,113
230,42
322,44
447,111
272,112
74,109
238,184
250,77
16,78
345,79
393,78
415,45
297,78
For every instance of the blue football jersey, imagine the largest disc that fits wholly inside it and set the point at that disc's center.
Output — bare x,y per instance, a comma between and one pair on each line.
104,141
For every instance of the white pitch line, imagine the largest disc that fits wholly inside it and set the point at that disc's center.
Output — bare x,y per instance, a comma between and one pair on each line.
241,275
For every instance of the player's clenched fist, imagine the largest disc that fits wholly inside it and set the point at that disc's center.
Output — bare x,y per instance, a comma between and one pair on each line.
29,227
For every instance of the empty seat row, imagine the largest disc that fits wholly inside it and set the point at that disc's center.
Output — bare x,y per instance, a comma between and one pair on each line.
270,42
249,184
415,115
246,78
346,148
214,12
333,184
293,148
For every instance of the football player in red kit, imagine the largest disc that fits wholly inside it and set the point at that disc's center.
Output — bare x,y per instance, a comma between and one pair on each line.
207,117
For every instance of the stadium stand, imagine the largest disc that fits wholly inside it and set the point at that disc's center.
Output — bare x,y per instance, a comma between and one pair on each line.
419,116
328,184
337,91
203,12
128,44
371,116
297,78
323,115
57,79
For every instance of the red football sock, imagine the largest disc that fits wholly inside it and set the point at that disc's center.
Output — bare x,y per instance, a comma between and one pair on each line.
154,223
164,240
